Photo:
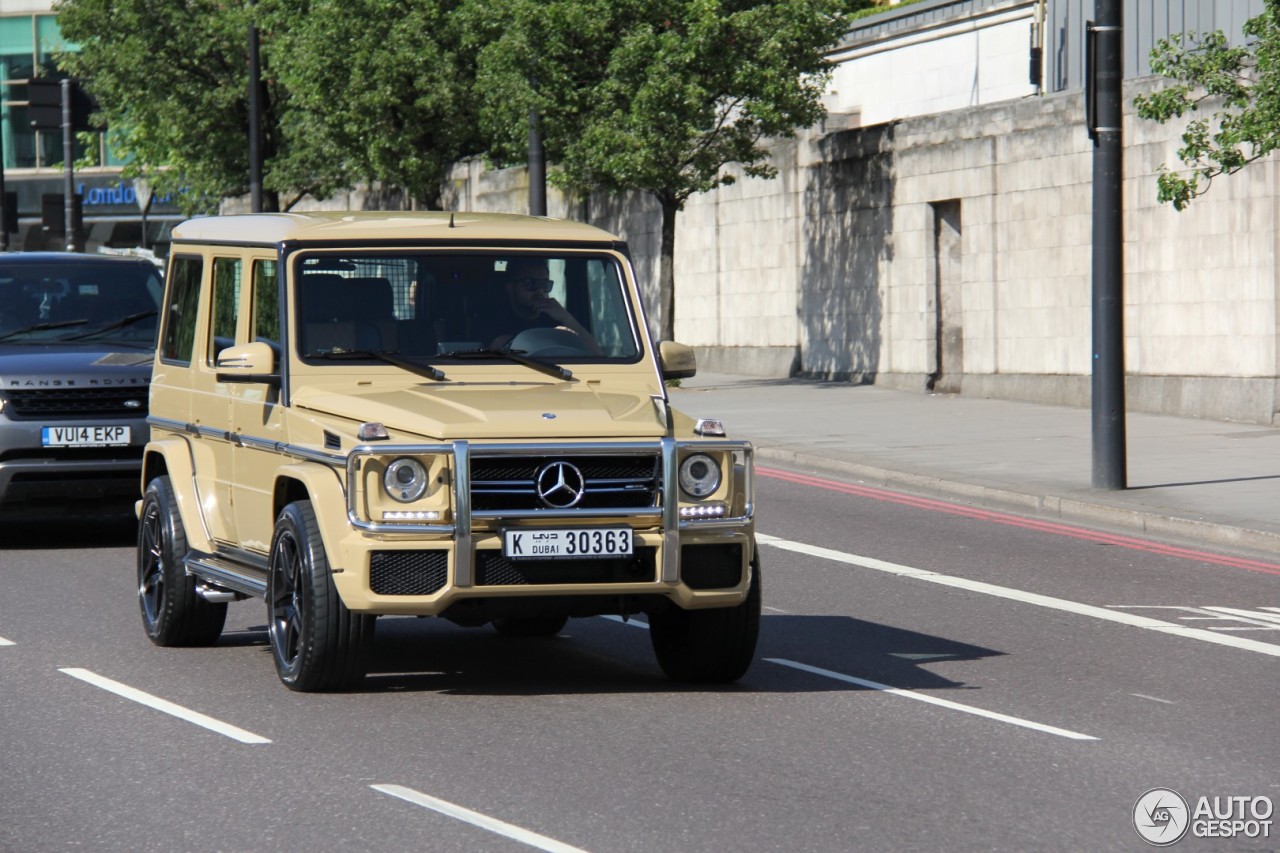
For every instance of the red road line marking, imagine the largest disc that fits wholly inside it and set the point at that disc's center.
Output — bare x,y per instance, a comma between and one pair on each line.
1018,521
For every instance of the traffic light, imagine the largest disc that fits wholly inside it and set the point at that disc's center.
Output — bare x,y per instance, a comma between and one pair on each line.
53,213
9,219
44,104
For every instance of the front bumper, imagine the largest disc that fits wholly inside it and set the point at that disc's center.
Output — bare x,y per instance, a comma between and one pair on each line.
690,562
33,477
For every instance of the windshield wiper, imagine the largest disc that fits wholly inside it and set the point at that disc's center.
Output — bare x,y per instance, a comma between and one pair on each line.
128,320
516,355
391,358
40,327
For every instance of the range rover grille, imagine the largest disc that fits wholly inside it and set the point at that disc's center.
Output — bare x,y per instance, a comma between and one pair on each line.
52,403
493,569
609,482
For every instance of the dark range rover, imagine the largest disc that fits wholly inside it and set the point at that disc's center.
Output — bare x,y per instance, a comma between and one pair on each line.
77,333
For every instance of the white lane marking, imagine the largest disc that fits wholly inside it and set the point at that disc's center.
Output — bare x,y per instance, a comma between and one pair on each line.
632,622
483,821
4,642
933,700
1262,620
1076,607
1152,698
164,705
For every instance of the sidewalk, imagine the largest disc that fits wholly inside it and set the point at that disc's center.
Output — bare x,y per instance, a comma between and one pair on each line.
1202,481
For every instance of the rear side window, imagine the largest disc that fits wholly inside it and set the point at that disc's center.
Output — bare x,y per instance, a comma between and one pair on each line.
182,299
266,304
226,303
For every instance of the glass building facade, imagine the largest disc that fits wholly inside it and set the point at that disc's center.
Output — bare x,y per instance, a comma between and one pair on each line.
32,161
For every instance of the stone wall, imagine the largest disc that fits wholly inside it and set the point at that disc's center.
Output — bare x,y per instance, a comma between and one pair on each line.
952,252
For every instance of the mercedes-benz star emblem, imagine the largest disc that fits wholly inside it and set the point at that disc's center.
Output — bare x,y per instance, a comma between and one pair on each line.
559,484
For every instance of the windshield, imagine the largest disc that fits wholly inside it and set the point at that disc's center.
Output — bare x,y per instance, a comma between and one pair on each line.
445,307
82,300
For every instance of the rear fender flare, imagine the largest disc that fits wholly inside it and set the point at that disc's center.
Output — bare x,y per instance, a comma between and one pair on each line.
172,456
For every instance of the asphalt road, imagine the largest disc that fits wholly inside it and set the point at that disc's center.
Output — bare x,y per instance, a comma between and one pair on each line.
930,677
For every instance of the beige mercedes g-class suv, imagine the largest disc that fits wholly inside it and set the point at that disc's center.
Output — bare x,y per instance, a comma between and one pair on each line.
358,414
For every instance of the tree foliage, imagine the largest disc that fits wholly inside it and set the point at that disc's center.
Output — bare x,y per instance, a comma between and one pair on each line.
171,81
1241,84
380,91
658,96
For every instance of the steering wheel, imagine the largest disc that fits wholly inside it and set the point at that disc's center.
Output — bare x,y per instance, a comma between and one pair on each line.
548,343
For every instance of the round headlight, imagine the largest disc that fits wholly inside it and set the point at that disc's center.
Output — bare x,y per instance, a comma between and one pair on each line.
405,479
699,475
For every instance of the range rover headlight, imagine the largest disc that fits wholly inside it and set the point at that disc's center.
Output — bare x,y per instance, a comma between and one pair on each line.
405,479
699,475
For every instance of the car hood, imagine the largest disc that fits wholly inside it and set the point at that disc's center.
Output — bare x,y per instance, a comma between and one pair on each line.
72,364
513,412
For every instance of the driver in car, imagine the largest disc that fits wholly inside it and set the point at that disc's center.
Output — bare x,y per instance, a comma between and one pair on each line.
530,305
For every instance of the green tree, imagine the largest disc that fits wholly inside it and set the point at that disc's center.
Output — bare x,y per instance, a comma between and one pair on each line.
171,80
380,92
657,96
352,91
1242,86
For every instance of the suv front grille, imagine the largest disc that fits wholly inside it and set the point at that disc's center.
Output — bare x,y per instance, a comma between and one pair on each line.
53,403
500,483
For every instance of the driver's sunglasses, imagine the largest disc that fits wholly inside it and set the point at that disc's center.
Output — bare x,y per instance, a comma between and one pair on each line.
531,284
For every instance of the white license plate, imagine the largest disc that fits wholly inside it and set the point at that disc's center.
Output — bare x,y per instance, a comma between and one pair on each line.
84,436
566,544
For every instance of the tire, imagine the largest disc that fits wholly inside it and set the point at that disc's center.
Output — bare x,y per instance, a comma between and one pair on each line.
709,646
317,643
530,626
173,614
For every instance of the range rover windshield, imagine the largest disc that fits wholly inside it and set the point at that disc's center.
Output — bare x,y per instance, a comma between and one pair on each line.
464,307
86,301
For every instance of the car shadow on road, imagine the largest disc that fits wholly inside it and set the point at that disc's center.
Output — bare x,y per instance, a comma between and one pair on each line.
75,527
599,656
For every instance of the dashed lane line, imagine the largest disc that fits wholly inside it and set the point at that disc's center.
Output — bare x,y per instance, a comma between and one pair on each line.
164,705
1065,605
474,818
932,700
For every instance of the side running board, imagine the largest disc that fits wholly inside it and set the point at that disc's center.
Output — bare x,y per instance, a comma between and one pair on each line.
233,575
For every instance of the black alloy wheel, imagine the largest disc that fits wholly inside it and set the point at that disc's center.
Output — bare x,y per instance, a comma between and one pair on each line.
317,643
173,613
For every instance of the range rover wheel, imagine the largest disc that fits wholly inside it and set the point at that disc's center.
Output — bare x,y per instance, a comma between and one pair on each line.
172,612
530,626
318,644
708,645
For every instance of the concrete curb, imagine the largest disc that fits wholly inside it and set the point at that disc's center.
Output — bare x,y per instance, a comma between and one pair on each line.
1054,507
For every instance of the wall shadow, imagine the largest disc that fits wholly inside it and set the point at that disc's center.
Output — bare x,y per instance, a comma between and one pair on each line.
848,216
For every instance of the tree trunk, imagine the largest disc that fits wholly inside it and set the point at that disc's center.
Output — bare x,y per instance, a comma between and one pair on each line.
667,271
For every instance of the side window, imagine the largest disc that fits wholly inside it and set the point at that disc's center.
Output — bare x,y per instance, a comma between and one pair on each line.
609,317
265,320
226,302
178,343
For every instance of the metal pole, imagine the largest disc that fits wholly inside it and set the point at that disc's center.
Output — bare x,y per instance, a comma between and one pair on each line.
537,167
1109,463
4,213
255,122
68,169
